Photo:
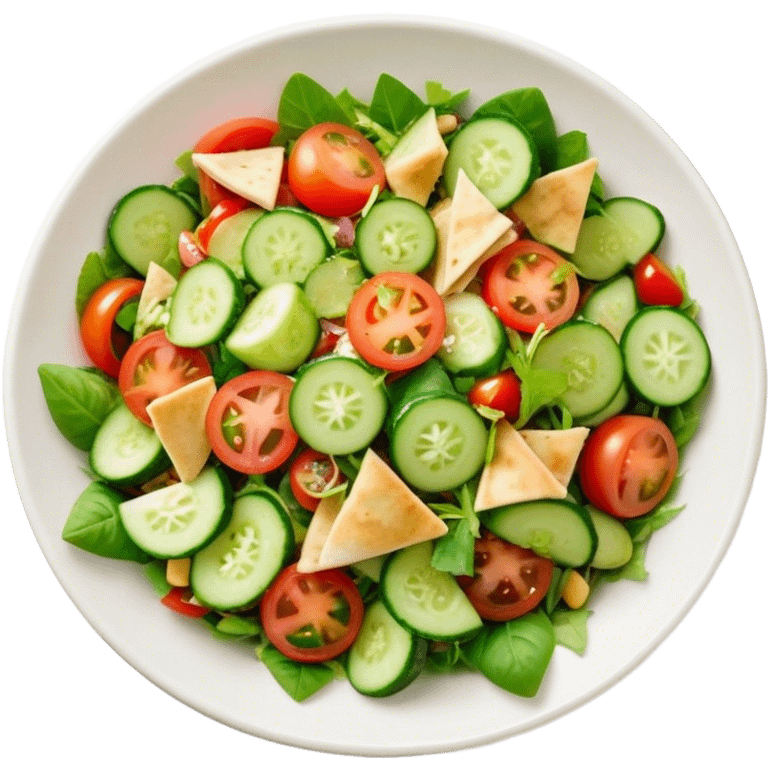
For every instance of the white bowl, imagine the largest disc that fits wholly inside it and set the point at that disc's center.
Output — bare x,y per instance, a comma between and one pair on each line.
437,712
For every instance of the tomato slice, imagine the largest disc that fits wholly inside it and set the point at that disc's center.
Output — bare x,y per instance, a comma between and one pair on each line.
178,600
655,283
221,212
520,287
248,424
628,464
311,617
104,343
232,136
509,580
190,251
311,474
332,169
501,392
325,344
153,367
396,321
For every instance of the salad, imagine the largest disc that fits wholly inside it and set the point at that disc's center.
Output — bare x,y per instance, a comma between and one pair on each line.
383,387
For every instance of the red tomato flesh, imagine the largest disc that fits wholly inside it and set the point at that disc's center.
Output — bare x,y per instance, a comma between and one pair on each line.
655,283
221,212
178,600
312,473
501,392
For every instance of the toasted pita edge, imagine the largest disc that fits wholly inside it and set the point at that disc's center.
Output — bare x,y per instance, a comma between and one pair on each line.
179,421
513,460
558,449
319,527
381,514
474,226
251,173
553,207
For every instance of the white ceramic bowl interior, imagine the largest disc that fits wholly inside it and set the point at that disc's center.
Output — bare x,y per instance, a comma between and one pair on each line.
437,712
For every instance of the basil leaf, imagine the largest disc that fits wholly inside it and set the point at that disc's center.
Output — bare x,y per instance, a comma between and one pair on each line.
226,366
351,105
78,400
538,387
92,275
94,525
126,316
298,680
571,628
530,108
515,655
439,97
455,551
155,573
240,626
394,105
304,103
184,163
573,148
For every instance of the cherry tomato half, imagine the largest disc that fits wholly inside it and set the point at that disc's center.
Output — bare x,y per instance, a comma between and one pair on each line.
232,136
153,367
102,341
311,617
509,580
332,169
655,283
190,252
628,464
519,286
312,473
221,212
396,321
178,600
501,392
248,424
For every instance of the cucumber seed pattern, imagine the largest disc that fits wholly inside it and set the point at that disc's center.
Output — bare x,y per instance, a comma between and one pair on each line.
175,511
439,444
338,406
666,355
432,590
239,561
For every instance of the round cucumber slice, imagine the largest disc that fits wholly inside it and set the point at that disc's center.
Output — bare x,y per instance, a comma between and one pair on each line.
332,284
553,528
277,331
498,155
226,243
423,600
666,356
614,544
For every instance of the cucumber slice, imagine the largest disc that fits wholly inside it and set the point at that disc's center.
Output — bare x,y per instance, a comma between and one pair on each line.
332,284
145,225
475,340
617,405
625,230
180,519
438,443
385,657
498,155
283,246
396,235
666,356
614,544
126,451
226,243
423,600
591,359
205,305
337,405
612,305
553,528
277,331
235,569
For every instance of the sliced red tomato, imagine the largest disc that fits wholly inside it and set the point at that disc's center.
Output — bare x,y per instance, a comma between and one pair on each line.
655,283
332,169
221,212
285,196
528,283
248,424
178,600
311,617
396,321
628,464
232,136
501,392
311,474
105,343
509,580
326,343
153,367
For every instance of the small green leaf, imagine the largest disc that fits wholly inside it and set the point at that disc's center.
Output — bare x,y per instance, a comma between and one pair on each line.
634,570
455,551
242,626
490,446
298,680
442,99
492,414
571,628
394,105
640,528
184,163
371,200
304,103
126,316
155,572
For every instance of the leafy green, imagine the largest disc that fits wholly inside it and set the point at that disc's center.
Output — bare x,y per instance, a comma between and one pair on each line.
444,102
97,269
555,591
683,421
299,516
573,148
184,163
641,528
443,657
155,573
571,628
304,103
455,551
78,400
383,139
634,570
189,189
126,316
514,655
394,105
239,626
539,387
226,366
351,104
298,680
689,306
171,263
94,525
530,108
